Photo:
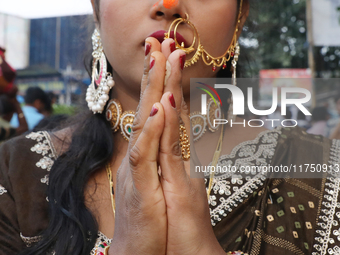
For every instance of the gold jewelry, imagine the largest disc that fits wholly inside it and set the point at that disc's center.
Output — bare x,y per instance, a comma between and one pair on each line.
231,116
200,51
215,160
124,122
106,250
118,119
184,142
109,176
200,122
21,115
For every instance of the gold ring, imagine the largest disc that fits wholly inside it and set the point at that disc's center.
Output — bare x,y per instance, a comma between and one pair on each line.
184,142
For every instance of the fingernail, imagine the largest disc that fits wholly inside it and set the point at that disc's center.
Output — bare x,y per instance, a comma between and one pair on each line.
172,100
182,60
172,46
147,48
152,63
154,110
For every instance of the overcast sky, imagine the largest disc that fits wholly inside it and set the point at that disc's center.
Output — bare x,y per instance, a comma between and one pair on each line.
32,9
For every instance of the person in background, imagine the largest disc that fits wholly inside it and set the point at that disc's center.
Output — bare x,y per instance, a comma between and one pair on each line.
36,101
49,102
7,74
320,116
53,97
9,106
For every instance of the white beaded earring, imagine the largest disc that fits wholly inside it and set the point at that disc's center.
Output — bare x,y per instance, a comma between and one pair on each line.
102,81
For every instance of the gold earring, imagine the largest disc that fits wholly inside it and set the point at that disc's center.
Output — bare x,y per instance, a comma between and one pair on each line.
231,116
200,51
119,119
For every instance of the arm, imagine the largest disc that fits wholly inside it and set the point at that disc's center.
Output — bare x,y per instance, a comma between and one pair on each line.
23,127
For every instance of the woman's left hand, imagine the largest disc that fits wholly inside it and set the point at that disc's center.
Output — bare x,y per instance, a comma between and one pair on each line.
189,226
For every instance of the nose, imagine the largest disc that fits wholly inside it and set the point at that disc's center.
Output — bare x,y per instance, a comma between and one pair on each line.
167,9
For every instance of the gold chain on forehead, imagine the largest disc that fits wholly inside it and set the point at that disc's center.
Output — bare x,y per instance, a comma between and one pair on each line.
200,51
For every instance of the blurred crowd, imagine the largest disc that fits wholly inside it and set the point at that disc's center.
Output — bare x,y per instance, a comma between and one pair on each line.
36,113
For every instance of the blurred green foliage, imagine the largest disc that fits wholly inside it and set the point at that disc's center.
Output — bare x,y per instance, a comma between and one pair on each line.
275,36
59,109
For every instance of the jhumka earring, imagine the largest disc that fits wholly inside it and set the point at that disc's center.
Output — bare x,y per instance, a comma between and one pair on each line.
200,51
200,122
102,81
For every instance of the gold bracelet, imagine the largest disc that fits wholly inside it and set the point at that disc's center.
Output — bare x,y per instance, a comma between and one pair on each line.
21,115
106,250
236,253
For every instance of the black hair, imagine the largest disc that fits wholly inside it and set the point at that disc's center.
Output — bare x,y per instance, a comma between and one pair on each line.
34,93
72,229
51,122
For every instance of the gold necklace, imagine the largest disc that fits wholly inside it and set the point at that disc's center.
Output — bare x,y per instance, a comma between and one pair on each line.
214,161
109,176
123,121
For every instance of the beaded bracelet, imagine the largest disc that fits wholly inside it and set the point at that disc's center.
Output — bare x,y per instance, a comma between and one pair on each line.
236,253
102,249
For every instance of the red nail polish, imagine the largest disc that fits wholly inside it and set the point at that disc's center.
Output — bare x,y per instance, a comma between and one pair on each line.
182,60
152,63
147,49
172,46
153,112
172,100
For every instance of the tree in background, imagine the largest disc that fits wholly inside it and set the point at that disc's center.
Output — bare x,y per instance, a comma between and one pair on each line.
275,36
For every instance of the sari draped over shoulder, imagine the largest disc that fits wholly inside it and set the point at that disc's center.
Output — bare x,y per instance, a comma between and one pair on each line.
258,214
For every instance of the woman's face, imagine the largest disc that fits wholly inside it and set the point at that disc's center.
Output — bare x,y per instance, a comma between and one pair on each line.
125,24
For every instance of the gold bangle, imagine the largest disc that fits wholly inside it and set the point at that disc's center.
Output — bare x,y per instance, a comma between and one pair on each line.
184,142
106,250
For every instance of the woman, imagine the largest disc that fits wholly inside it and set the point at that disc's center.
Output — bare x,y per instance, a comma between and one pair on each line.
139,193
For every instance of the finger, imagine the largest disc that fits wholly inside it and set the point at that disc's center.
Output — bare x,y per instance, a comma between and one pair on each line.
168,46
174,81
184,116
143,156
170,156
152,94
177,60
151,45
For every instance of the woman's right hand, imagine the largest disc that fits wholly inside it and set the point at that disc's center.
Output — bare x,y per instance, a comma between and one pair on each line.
141,220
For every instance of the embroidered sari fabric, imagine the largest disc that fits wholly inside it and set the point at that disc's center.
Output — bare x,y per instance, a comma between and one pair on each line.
258,214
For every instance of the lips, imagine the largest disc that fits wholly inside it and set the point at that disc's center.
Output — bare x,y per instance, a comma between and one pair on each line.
159,35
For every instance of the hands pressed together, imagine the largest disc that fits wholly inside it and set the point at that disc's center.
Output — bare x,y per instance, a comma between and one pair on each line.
166,214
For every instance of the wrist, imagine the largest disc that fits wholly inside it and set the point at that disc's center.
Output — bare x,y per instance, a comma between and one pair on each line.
213,247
